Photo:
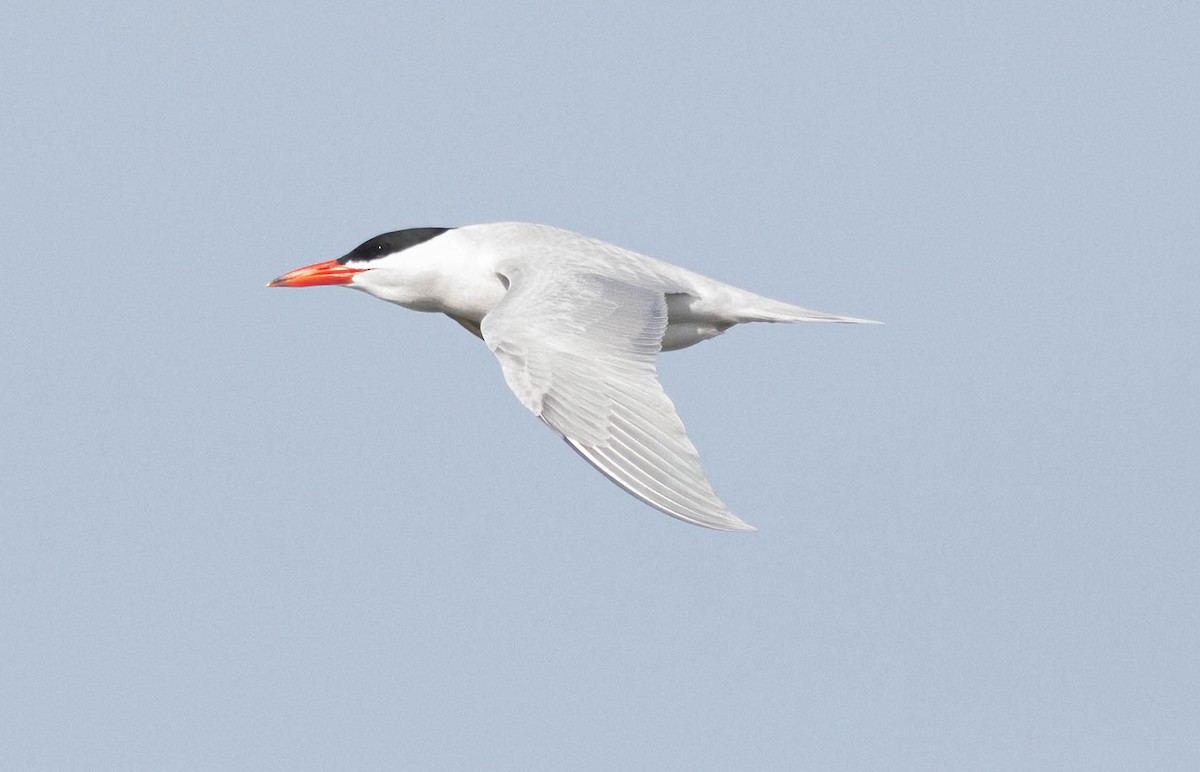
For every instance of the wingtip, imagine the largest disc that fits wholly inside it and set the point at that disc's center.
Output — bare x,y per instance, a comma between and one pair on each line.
729,522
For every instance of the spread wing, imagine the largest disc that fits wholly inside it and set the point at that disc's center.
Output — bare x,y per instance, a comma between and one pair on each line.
578,350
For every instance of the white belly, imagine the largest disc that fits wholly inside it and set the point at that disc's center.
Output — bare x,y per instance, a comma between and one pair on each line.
683,334
688,325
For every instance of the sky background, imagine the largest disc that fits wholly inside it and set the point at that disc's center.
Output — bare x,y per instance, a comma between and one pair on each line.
304,529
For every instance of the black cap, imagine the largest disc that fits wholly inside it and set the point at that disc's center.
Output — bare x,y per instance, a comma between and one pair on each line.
390,243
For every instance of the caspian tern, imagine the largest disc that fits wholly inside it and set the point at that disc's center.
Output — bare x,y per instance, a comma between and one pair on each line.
576,324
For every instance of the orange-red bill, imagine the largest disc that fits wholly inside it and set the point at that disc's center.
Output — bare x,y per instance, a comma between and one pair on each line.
328,272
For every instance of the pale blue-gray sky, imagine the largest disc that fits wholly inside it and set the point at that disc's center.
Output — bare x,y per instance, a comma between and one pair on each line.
255,529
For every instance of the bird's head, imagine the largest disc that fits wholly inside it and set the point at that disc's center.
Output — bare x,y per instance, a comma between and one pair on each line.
375,266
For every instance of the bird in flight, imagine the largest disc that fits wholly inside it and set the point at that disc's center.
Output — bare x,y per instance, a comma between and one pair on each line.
576,324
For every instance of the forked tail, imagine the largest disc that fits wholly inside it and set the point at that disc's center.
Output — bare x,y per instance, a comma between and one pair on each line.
778,311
